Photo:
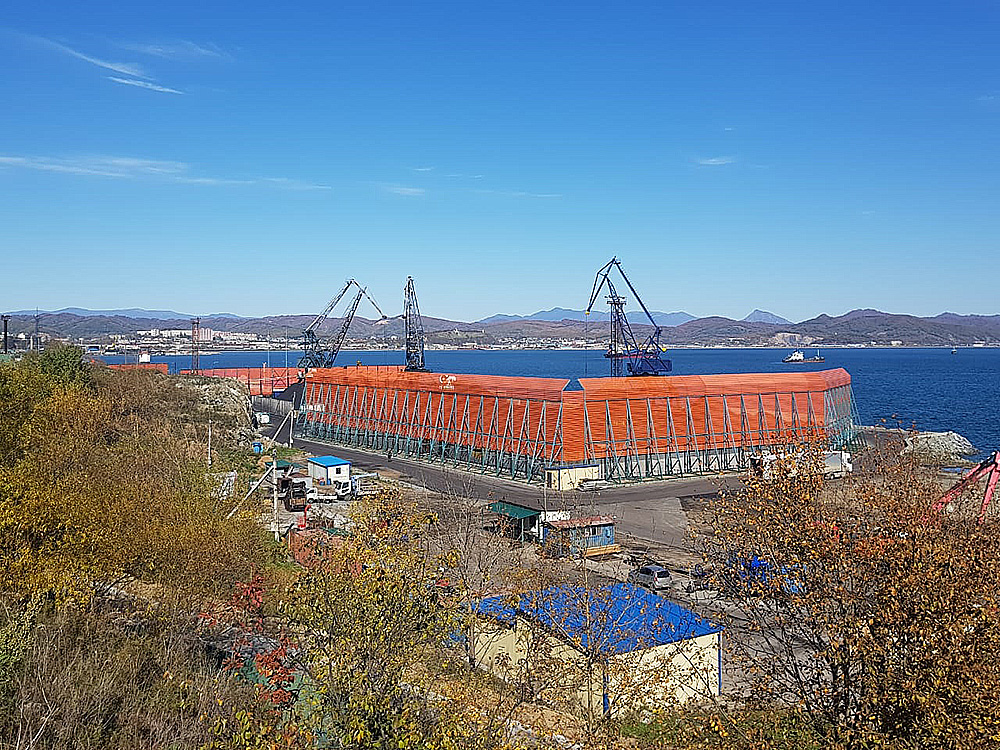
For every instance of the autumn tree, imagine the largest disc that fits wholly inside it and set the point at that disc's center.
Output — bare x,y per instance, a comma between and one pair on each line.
857,606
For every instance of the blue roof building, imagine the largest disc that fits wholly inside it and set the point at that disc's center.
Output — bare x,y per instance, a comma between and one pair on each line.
329,461
329,469
646,649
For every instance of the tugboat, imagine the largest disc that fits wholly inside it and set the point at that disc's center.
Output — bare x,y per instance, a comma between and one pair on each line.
798,358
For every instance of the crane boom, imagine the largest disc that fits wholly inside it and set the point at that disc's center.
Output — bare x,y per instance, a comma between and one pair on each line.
318,320
382,315
989,468
330,355
318,355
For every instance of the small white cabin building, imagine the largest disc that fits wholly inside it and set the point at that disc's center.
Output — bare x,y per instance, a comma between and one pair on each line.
329,470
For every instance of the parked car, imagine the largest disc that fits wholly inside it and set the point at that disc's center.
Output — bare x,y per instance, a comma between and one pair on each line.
592,485
654,577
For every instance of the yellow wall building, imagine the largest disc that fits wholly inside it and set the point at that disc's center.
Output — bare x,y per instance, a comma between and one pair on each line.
608,649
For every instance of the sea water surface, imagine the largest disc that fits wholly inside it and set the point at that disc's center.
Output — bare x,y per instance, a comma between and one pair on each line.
931,389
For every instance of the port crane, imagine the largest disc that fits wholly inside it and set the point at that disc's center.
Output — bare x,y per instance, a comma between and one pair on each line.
318,353
990,468
627,355
414,327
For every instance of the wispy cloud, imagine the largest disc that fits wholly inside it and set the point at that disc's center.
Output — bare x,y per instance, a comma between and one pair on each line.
97,166
128,69
144,85
290,184
177,50
152,169
404,190
715,161
423,169
518,194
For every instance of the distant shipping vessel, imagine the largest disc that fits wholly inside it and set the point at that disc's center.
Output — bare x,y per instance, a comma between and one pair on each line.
798,358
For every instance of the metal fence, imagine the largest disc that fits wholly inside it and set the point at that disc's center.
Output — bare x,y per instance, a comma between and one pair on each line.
271,405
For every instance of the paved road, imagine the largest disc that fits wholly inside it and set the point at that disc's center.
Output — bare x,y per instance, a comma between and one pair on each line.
648,511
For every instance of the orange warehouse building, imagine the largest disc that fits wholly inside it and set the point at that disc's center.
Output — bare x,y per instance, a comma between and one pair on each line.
632,428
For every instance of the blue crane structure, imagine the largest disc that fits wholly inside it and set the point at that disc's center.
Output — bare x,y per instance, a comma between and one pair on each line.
628,357
414,329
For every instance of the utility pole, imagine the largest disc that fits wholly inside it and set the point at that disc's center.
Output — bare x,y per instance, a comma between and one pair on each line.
274,499
209,441
6,344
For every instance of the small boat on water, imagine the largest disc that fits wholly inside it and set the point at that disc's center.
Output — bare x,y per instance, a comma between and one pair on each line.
798,358
954,351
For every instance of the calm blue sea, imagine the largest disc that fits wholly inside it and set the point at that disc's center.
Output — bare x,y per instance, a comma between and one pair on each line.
930,388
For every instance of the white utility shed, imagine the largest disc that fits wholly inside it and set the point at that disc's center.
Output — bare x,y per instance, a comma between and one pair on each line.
329,469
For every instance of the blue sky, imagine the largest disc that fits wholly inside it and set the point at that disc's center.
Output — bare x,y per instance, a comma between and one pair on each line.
249,157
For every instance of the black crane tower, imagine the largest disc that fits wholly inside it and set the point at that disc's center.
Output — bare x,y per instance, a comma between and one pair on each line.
627,355
318,353
414,329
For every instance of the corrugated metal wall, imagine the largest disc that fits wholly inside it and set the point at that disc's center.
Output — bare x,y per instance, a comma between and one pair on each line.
633,427
503,425
638,427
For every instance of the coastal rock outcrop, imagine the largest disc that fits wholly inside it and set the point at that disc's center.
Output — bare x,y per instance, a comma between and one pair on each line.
939,447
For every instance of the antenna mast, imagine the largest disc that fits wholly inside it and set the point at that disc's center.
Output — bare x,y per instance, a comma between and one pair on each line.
195,336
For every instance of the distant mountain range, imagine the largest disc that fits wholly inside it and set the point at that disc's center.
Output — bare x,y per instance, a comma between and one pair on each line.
129,312
667,320
763,316
760,328
561,313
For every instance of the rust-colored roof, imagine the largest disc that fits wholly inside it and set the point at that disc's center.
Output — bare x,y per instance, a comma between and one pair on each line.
579,523
714,385
445,383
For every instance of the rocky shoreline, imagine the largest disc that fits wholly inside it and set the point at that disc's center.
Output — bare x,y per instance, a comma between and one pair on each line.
931,448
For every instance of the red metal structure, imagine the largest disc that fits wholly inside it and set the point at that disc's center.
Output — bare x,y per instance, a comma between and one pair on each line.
261,381
989,468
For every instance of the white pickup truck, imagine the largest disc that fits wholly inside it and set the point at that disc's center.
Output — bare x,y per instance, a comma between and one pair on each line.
837,464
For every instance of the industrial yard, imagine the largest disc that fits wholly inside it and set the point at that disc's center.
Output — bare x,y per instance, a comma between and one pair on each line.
594,558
